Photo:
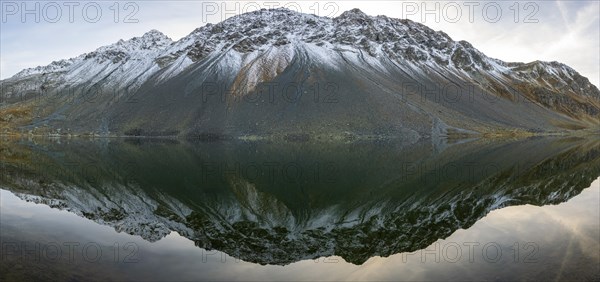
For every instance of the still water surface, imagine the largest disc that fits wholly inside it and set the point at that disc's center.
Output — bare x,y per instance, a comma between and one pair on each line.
156,210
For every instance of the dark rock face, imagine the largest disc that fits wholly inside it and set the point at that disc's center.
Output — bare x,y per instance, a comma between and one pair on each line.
278,72
199,51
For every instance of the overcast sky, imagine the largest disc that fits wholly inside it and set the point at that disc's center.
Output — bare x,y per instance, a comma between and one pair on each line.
36,33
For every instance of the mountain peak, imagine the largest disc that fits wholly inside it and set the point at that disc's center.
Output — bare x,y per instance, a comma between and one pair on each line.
155,34
354,13
149,40
354,17
152,40
276,15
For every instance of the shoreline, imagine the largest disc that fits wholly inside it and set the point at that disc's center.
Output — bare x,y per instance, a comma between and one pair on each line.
318,138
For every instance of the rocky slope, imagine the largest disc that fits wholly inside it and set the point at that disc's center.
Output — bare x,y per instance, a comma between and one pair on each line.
278,72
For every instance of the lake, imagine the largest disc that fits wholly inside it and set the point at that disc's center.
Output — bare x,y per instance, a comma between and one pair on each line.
156,209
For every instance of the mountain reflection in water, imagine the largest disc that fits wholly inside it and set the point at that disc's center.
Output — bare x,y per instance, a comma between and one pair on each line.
277,204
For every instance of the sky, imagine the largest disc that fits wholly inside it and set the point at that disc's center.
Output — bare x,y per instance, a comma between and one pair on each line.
34,33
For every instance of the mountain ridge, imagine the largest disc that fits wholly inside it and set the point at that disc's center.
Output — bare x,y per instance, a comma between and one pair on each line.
350,16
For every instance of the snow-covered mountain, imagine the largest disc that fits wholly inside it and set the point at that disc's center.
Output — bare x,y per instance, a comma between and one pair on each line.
381,76
125,64
369,204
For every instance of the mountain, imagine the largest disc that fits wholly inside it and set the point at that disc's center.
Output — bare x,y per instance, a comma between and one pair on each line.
282,203
279,73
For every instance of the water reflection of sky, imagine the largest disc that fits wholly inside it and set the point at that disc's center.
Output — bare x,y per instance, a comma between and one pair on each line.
553,242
